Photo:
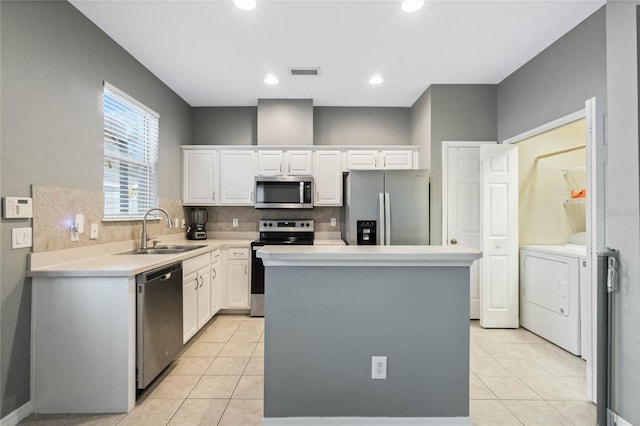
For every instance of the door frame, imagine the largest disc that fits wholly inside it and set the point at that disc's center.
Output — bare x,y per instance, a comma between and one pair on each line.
594,162
445,184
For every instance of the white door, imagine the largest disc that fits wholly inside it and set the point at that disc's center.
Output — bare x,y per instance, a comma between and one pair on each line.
269,163
200,184
463,210
499,296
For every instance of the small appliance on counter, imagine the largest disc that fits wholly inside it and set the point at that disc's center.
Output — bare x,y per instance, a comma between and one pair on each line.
196,229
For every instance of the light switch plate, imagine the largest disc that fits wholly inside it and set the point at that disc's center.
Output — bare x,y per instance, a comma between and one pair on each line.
21,238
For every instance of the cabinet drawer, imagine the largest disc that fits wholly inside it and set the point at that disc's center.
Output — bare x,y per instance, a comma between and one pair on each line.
215,256
238,253
195,263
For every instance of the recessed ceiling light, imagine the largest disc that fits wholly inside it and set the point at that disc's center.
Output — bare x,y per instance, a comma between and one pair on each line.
245,4
271,79
412,5
376,79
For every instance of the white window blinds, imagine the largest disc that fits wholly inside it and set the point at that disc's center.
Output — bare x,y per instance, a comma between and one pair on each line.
130,156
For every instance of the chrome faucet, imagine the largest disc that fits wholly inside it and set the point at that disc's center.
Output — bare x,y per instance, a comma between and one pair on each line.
143,238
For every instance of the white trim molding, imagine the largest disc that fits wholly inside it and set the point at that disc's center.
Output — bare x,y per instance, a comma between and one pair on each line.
17,415
369,421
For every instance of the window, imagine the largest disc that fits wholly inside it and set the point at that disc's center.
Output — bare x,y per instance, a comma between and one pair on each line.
130,183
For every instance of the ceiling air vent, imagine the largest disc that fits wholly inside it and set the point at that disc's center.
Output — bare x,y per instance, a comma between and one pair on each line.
310,72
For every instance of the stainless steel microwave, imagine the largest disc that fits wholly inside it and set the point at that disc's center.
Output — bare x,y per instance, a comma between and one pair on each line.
277,192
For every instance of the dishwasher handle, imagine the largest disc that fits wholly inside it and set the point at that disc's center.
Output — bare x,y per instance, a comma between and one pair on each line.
164,273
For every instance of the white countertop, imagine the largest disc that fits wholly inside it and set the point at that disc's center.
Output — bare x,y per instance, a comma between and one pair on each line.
321,255
104,260
126,265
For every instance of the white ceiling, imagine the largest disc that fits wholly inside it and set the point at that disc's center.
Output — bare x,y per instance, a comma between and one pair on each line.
213,54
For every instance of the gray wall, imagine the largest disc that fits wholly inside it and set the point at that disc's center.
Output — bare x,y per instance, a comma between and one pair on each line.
421,128
623,201
361,126
345,126
225,125
459,112
53,64
557,82
285,122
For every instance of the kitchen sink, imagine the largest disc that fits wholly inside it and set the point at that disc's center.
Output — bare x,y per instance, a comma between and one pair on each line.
165,249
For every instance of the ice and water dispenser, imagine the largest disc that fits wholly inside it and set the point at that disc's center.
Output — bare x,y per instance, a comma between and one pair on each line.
366,232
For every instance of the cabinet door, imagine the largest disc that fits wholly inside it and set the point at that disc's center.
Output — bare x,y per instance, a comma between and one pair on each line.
400,159
299,163
238,284
237,179
190,286
362,160
327,178
204,297
270,163
200,180
216,287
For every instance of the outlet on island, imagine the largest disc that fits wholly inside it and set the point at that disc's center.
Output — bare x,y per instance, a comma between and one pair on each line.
235,222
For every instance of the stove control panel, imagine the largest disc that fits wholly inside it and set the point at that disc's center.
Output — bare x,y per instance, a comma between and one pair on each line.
279,225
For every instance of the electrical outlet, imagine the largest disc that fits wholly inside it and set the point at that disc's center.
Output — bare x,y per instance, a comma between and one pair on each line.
333,221
378,367
235,222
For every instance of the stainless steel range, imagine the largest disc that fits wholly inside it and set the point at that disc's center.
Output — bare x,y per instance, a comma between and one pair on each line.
274,232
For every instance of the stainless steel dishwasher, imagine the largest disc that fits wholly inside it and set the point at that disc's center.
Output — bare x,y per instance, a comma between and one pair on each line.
159,321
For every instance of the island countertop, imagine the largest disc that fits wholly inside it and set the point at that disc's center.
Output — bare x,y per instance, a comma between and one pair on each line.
285,255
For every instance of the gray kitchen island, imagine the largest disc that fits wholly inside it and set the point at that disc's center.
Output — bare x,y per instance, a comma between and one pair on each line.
329,310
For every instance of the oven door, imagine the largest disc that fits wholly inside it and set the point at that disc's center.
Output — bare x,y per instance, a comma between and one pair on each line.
257,281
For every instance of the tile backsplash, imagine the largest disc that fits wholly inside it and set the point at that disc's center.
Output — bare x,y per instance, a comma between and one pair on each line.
221,218
54,209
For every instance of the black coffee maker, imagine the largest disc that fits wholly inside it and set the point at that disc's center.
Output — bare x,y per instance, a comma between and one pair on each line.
196,230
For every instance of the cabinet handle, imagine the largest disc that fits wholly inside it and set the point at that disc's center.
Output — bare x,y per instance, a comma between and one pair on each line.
201,281
246,269
196,286
288,168
252,196
280,168
214,195
215,273
317,196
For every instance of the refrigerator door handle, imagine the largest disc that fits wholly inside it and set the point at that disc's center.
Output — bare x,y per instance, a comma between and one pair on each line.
387,219
381,218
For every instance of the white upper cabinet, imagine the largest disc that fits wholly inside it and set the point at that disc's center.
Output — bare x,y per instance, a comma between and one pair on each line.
237,177
285,163
384,159
200,182
270,163
362,159
327,178
299,163
397,159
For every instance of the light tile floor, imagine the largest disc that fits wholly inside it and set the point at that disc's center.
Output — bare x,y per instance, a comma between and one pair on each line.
516,378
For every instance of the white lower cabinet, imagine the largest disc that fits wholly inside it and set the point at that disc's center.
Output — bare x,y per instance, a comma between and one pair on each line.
196,295
216,282
237,287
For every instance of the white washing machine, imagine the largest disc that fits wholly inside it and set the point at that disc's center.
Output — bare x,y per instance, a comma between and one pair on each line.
550,281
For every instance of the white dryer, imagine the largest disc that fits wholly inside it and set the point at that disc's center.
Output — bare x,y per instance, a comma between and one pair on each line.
550,293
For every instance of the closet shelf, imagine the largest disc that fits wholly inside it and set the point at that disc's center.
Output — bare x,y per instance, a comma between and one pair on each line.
573,169
574,200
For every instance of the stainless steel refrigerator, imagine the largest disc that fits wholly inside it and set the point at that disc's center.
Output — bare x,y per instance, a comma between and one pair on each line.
386,207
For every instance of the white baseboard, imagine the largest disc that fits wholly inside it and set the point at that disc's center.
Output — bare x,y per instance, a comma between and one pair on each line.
619,421
16,416
369,421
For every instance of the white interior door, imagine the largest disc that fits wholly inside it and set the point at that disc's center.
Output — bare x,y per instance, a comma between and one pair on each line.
463,219
499,296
